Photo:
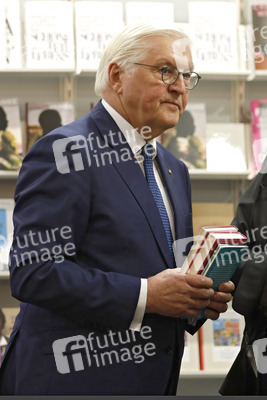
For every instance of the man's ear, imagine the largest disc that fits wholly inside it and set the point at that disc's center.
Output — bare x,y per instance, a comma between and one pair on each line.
114,74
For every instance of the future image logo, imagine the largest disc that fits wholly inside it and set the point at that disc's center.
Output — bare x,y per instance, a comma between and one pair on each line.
71,354
78,353
71,151
260,355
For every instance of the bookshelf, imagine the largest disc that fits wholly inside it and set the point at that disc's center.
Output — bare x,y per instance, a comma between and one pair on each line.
227,96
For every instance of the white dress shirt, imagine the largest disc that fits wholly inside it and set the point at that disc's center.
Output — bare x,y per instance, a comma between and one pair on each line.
136,142
3,344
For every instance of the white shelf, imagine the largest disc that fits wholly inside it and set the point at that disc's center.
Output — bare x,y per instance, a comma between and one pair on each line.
204,374
41,72
194,174
4,275
9,174
204,174
260,75
224,75
207,75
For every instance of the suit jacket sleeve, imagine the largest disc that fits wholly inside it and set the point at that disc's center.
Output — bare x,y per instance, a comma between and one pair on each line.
51,216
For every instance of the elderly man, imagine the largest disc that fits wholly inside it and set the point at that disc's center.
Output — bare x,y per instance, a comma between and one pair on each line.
98,205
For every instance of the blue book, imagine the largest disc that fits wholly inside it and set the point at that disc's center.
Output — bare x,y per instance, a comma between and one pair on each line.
224,262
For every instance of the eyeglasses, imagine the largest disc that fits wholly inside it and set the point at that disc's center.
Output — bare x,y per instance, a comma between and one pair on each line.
170,74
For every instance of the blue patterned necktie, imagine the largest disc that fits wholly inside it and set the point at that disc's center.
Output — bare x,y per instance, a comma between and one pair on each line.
147,153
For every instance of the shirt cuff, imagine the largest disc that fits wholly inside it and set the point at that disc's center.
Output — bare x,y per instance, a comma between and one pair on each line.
140,308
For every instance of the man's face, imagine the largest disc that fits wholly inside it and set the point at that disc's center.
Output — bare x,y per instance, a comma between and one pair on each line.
146,100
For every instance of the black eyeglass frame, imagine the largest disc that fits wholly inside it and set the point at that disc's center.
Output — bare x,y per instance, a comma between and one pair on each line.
161,69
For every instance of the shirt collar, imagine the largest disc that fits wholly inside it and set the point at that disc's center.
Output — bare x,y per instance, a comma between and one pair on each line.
133,137
3,341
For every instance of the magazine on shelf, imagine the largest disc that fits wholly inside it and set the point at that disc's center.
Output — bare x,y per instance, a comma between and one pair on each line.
190,360
226,147
155,13
259,22
258,109
10,34
42,118
214,42
10,314
187,140
6,231
10,135
221,341
49,38
96,22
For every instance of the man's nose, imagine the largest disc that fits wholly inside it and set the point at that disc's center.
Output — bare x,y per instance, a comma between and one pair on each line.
178,85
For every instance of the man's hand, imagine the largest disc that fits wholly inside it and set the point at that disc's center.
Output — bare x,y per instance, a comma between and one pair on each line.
219,299
172,294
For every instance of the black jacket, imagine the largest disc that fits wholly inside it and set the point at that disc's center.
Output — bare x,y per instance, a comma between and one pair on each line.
250,297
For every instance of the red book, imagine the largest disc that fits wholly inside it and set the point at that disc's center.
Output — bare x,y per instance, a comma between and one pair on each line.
207,241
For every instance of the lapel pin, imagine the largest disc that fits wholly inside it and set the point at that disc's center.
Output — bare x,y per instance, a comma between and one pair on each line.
170,171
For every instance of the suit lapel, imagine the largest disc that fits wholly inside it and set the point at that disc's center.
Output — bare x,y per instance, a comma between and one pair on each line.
133,177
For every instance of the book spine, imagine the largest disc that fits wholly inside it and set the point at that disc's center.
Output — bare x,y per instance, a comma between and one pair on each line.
201,349
204,261
193,251
255,132
200,244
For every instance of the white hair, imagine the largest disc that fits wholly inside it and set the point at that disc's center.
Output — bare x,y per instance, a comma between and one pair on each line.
128,47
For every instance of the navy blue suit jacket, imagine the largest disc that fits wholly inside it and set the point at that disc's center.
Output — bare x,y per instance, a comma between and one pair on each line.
89,198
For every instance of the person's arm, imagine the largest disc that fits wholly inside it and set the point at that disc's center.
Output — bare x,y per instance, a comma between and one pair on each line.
59,205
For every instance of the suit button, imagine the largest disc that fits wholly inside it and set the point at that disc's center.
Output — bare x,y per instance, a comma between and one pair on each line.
168,350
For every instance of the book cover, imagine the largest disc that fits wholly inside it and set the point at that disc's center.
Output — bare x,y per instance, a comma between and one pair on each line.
10,135
222,341
259,23
258,108
224,262
6,231
226,147
153,13
96,24
10,43
42,118
214,42
187,141
49,37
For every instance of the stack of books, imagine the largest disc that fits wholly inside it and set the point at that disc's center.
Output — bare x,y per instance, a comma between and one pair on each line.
216,252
